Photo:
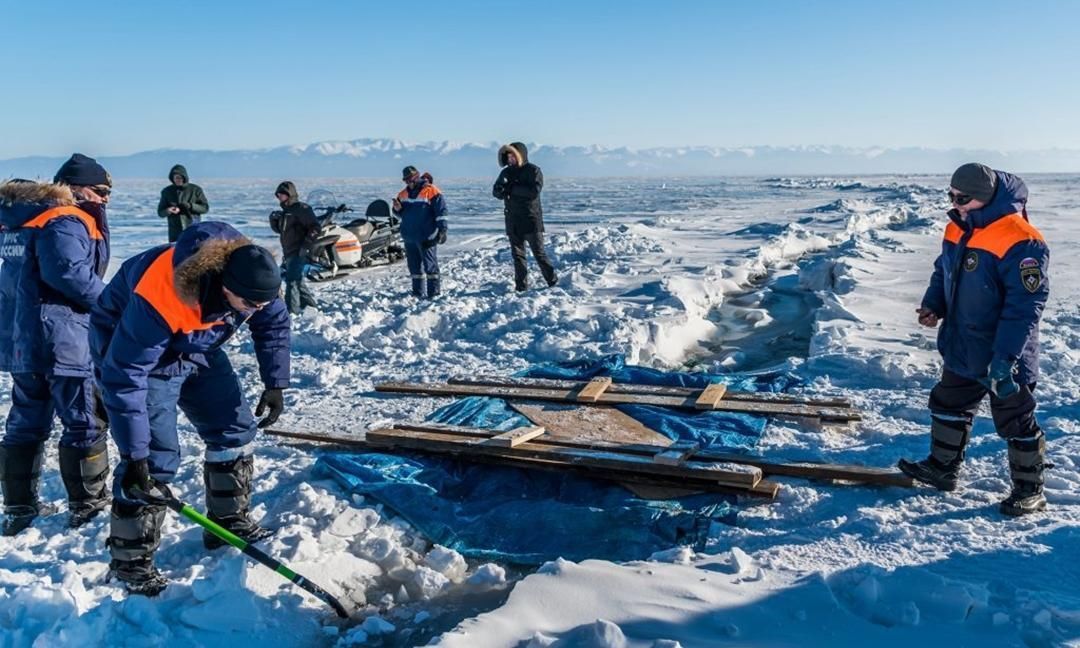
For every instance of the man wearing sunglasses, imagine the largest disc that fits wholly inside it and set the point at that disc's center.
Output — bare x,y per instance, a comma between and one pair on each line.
54,242
988,291
157,336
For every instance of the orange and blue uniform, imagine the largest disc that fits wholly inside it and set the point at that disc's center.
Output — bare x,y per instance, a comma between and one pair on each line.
155,351
54,257
423,217
989,286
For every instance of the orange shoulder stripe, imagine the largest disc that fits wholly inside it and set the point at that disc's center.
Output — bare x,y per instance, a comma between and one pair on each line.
998,237
429,192
403,194
953,233
43,219
156,287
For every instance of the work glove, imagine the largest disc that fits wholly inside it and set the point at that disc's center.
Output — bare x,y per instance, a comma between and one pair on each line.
442,235
136,478
272,403
999,378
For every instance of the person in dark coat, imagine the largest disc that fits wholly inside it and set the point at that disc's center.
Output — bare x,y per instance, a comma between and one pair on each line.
182,203
296,225
988,291
422,210
54,242
519,185
157,335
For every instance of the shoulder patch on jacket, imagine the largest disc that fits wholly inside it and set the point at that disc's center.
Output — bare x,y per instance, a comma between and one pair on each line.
1030,274
971,260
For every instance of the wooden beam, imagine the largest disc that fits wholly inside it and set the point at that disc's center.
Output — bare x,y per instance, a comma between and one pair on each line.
710,396
608,398
604,460
806,470
516,437
591,392
654,390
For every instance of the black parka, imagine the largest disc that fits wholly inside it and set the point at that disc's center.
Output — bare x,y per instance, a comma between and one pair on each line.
519,188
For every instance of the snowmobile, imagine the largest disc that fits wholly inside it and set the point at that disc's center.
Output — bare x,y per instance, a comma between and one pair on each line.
340,250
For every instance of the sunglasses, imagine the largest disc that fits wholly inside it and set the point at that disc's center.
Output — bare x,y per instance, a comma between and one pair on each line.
101,190
252,305
959,199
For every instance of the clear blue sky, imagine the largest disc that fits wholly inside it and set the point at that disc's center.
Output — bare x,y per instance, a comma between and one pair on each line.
119,77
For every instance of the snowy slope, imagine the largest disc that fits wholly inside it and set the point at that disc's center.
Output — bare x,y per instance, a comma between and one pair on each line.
660,271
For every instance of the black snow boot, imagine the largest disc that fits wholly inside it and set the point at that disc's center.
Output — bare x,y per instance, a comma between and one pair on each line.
85,472
1026,463
134,536
20,471
228,500
931,471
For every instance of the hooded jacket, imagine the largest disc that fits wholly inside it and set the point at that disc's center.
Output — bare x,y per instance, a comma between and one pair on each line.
162,314
423,211
990,285
188,197
55,254
295,223
519,188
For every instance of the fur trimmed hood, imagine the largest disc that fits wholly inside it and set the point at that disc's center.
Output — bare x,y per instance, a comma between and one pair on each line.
43,193
202,250
518,149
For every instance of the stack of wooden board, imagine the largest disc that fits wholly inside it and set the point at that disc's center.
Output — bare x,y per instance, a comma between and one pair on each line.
674,466
601,391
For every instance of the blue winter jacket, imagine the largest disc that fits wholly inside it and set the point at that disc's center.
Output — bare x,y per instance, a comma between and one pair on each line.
162,313
423,212
54,257
990,284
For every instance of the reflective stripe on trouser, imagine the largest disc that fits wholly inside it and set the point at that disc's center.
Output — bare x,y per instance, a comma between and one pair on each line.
948,439
954,400
134,532
423,265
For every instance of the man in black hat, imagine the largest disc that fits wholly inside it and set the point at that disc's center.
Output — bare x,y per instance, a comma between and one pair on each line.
296,225
157,337
54,242
422,210
988,291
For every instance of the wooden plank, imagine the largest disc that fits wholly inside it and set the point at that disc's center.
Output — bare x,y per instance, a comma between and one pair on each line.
806,470
710,396
592,390
596,459
676,454
607,398
589,423
655,390
516,437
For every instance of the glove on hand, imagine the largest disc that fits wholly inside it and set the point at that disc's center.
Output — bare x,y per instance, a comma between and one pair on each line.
999,378
442,236
272,403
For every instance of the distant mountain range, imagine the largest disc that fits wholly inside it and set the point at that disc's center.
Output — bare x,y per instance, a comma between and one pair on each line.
386,157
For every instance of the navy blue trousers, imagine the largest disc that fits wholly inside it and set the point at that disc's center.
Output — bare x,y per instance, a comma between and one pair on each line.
212,400
423,266
37,398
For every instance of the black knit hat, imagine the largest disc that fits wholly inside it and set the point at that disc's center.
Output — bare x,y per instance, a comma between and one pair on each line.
82,171
976,180
408,172
252,273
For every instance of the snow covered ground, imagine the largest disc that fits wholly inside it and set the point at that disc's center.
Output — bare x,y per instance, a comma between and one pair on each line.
726,274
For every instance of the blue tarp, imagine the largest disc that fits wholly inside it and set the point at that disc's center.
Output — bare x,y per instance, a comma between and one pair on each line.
527,516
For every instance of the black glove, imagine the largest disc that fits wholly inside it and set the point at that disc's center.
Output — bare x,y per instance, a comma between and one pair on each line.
442,235
274,401
428,243
137,479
